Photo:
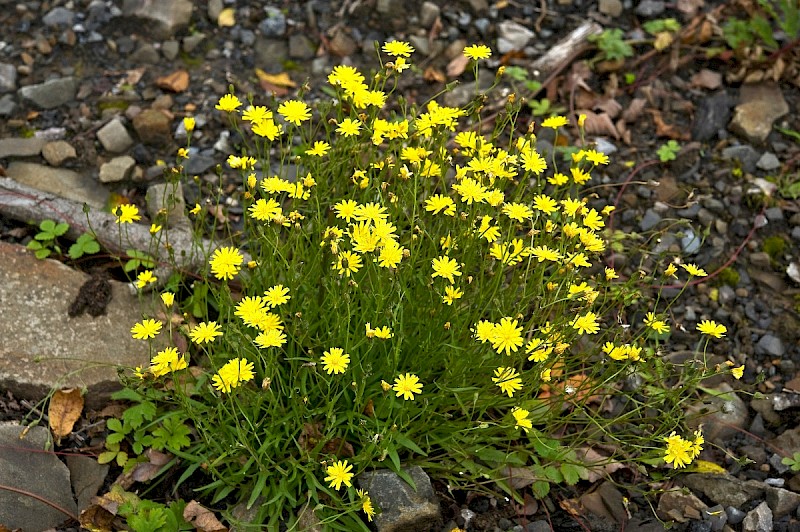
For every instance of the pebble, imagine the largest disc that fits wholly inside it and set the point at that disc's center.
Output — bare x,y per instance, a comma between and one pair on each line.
774,214
191,42
301,47
691,242
650,8
59,16
512,36
735,515
21,147
270,54
153,127
758,520
50,94
146,53
611,8
712,116
428,13
7,105
761,104
114,137
650,219
768,161
274,25
162,19
117,169
745,154
58,152
770,345
8,78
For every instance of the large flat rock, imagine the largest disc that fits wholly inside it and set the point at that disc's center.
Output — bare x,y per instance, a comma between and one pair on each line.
43,347
38,476
59,181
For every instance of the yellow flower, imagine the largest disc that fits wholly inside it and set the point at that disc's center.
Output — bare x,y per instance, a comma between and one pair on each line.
335,360
477,51
205,332
232,374
265,210
348,263
658,326
555,122
127,213
294,111
611,274
506,336
366,504
596,157
256,114
144,278
508,380
712,328
679,452
168,298
183,153
226,262
545,203
518,211
446,268
406,386
521,420
440,203
349,127
320,148
276,296
693,270
271,337
167,361
670,271
154,229
146,329
398,48
737,372
451,293
188,124
228,103
586,324
338,474
196,209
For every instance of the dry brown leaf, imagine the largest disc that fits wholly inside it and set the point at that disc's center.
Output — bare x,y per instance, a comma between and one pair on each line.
281,79
97,519
457,66
667,130
597,465
663,40
146,471
433,75
572,507
202,518
133,76
226,18
178,81
436,29
707,79
634,110
605,501
65,409
610,106
599,124
519,477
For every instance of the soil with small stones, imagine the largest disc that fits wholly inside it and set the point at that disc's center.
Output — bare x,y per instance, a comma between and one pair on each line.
744,231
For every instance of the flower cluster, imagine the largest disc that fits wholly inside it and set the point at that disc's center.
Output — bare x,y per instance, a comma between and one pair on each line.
680,452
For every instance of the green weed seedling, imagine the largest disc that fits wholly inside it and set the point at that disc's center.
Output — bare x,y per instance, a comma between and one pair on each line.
669,151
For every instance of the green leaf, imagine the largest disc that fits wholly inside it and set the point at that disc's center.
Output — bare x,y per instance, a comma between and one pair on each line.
115,437
34,245
138,414
552,473
106,457
60,229
408,444
395,458
115,425
261,481
572,473
126,394
122,457
47,226
540,488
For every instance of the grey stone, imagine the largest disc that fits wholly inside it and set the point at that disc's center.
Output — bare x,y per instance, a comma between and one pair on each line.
402,507
782,501
7,105
301,47
650,219
50,94
428,13
162,17
761,260
690,242
674,503
24,466
153,127
274,24
724,489
746,155
87,477
197,164
650,8
114,137
538,526
8,78
735,515
214,9
59,16
770,345
716,516
464,92
117,169
165,205
421,44
774,214
19,147
758,519
270,54
191,42
170,49
512,36
43,348
146,53
768,161
58,181
58,152
612,8
712,116
720,414
761,104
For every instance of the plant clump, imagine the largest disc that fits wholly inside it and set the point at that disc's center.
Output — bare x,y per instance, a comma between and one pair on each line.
406,289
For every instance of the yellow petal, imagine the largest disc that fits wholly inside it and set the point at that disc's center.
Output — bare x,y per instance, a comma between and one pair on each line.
226,18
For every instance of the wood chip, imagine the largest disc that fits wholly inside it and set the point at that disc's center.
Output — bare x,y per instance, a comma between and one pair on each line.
178,81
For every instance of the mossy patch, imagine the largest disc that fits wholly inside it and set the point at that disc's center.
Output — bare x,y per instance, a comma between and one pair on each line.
774,246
